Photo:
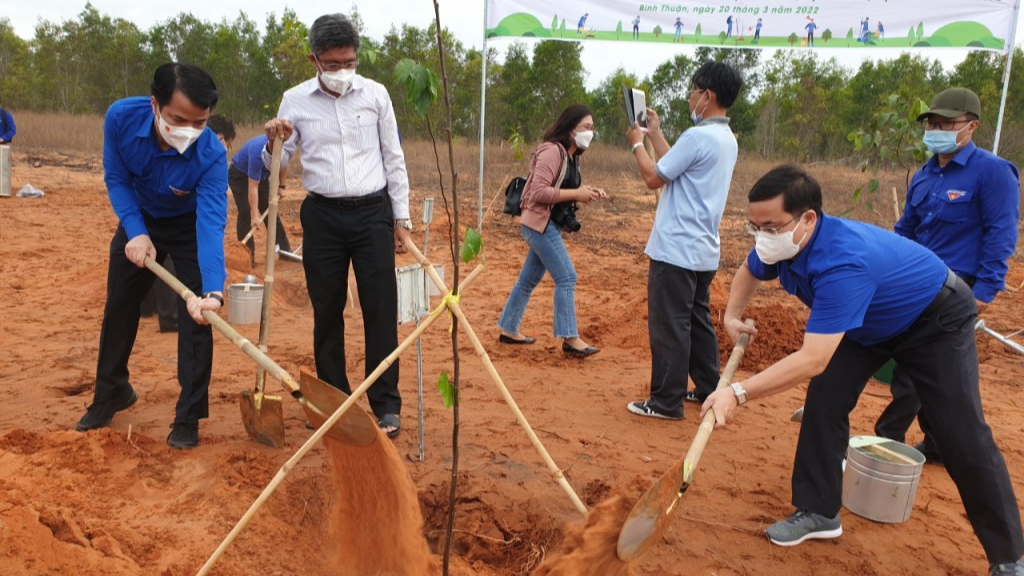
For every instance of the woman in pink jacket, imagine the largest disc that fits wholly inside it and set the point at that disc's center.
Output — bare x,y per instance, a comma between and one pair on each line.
554,177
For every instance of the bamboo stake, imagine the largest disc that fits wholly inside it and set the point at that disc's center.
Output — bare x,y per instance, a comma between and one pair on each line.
268,276
556,472
324,429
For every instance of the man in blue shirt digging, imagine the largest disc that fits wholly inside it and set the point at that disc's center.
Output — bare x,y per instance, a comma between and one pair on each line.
873,295
963,205
167,179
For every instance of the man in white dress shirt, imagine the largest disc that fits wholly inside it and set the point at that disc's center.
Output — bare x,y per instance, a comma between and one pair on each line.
357,208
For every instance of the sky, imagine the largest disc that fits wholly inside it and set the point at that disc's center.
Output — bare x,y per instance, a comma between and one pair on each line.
463,17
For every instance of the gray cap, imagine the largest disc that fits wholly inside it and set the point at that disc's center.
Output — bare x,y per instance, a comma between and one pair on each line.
952,103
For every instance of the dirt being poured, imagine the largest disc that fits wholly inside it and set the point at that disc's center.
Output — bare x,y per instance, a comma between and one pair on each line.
589,550
376,525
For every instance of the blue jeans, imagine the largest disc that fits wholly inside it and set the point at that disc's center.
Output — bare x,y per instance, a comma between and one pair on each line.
547,253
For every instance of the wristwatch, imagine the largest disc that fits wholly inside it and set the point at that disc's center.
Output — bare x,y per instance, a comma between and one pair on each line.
404,223
740,392
215,296
635,146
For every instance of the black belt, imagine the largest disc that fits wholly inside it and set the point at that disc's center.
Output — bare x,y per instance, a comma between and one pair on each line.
350,202
947,288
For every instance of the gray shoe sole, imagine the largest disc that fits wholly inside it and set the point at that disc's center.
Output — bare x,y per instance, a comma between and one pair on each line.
819,535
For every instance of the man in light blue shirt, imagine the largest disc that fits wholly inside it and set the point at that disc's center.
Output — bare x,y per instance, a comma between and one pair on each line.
684,245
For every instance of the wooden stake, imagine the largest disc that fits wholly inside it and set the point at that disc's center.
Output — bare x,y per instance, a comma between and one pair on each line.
556,472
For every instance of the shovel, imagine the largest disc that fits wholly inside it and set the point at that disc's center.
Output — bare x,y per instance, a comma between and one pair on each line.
262,415
355,427
651,516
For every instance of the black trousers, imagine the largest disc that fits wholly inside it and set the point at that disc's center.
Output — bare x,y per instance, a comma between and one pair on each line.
238,181
683,340
897,417
333,237
938,354
127,285
162,300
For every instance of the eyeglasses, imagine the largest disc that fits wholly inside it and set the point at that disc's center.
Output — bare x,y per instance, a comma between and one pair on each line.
930,124
753,229
336,66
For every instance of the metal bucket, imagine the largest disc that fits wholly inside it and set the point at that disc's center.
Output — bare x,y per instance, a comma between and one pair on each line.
5,170
245,302
879,485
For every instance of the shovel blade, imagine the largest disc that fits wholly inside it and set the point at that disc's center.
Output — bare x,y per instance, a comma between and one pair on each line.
355,428
263,418
651,516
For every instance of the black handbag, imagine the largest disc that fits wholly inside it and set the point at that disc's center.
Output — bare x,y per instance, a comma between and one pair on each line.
514,196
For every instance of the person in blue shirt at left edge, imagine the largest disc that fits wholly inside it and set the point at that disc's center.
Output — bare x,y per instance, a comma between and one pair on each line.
873,295
167,179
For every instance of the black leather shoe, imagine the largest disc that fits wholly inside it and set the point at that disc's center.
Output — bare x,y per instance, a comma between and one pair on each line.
99,414
184,435
582,353
510,340
930,456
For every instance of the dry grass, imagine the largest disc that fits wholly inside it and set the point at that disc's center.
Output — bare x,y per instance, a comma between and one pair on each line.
606,165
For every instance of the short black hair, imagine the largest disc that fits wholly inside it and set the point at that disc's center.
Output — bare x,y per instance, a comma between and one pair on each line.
800,191
720,78
332,31
194,82
222,126
566,123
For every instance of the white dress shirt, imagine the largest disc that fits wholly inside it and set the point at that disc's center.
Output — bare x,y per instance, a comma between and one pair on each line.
349,144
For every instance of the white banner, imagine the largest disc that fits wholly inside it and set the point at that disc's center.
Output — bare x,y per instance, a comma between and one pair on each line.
980,24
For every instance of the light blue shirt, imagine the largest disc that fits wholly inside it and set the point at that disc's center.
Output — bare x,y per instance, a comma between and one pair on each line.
698,169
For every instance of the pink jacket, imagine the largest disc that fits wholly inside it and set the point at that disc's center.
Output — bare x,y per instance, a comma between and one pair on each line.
547,170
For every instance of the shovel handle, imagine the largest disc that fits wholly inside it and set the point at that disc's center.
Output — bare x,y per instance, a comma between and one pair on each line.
268,275
237,339
707,425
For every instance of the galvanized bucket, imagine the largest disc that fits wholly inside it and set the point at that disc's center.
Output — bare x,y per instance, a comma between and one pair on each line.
880,479
245,302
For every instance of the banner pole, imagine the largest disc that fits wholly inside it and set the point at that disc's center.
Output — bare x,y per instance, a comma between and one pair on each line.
483,109
1006,76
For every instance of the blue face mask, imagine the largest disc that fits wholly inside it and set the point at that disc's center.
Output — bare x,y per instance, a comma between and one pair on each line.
693,113
942,141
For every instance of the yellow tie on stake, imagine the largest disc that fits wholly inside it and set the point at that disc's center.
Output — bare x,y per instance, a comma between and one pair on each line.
448,301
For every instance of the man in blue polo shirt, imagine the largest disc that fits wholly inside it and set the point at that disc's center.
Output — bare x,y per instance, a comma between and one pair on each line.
250,186
684,247
873,295
166,176
963,205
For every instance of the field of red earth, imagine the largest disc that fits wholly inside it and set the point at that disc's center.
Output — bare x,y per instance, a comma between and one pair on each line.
119,502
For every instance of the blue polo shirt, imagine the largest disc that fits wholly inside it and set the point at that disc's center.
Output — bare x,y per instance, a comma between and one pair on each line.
142,179
249,158
967,214
858,279
698,169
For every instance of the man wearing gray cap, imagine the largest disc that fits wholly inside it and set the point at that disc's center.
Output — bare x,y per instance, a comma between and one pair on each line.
963,205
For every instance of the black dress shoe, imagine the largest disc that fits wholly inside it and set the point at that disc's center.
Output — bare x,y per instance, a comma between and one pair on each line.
100,414
930,455
581,352
510,340
184,435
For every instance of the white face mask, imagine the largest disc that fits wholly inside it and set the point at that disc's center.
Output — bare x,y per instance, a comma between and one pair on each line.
584,138
339,81
178,137
773,248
